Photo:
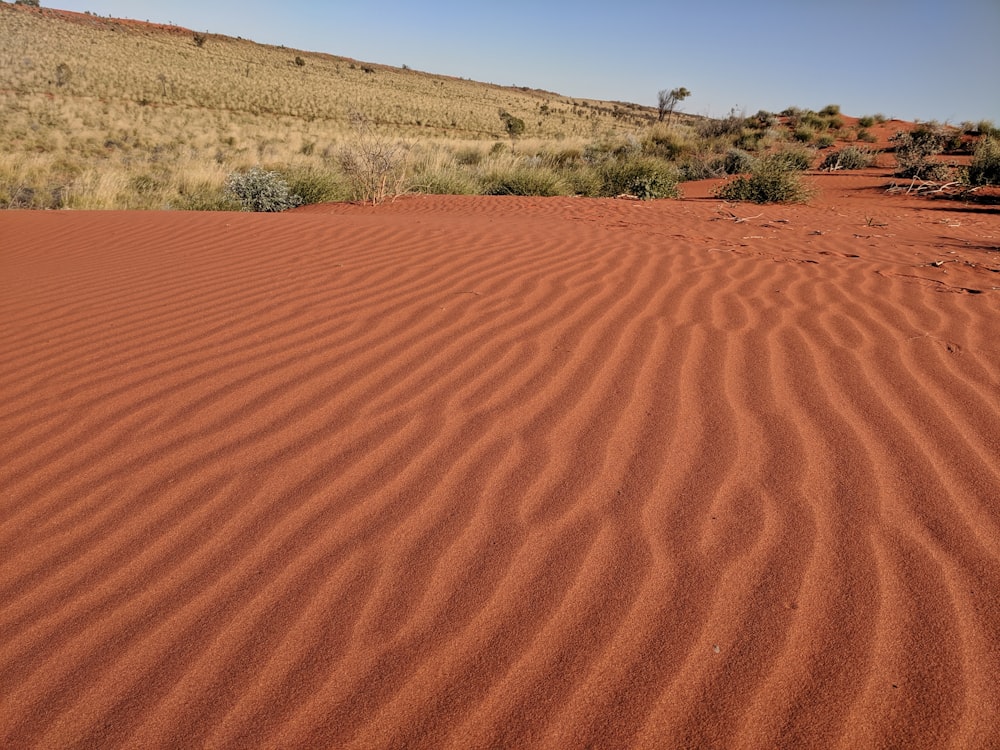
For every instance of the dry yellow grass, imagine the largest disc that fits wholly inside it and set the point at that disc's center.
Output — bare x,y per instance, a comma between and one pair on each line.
102,113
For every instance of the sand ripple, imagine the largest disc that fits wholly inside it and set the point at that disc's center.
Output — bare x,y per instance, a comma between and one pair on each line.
477,473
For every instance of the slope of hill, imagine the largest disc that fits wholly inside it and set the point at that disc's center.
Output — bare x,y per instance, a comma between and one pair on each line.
78,56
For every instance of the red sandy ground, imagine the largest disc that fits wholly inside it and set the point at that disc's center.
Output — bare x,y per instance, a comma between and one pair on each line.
486,472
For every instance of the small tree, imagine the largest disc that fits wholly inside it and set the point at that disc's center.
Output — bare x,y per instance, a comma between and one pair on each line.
667,101
513,125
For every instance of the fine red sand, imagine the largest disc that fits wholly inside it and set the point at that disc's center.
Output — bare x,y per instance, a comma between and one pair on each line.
503,473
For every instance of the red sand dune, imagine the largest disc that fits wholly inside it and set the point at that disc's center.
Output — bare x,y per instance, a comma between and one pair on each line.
485,472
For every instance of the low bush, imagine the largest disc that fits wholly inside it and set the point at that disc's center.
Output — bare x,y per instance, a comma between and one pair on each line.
985,166
737,161
260,190
770,181
317,185
793,158
866,121
523,180
644,177
915,149
851,157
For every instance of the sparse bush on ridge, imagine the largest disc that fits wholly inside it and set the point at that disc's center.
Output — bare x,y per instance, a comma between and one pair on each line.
850,157
260,190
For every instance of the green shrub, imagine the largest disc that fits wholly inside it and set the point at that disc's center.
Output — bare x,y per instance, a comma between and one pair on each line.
644,177
771,181
317,186
866,136
663,143
702,167
793,158
726,126
830,110
985,166
987,128
737,161
260,190
915,149
205,197
803,134
471,157
524,180
851,157
866,121
825,141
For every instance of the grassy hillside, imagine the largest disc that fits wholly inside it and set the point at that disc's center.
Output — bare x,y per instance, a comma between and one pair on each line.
101,112
110,113
76,56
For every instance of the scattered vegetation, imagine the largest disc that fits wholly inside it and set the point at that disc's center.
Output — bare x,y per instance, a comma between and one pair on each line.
145,121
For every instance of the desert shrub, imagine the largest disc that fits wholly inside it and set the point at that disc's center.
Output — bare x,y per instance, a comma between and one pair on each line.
523,180
663,143
793,158
565,157
803,133
866,136
299,61
737,161
469,157
866,121
584,181
644,177
732,125
204,196
317,185
987,128
260,190
445,182
770,181
813,120
701,167
915,149
851,157
834,122
750,139
830,110
985,166
199,39
374,164
825,141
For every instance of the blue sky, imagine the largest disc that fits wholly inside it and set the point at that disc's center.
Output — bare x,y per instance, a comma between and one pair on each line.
910,59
